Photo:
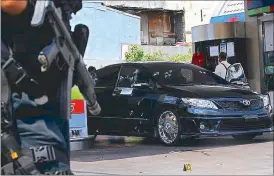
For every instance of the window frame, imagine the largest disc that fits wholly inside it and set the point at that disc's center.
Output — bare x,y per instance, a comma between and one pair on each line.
193,68
141,68
105,69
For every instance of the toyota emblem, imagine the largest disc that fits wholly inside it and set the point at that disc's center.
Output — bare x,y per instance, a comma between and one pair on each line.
246,102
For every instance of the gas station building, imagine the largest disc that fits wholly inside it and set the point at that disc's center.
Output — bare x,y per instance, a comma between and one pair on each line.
260,50
244,30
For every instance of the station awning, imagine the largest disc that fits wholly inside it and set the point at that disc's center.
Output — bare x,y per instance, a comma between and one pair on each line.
228,18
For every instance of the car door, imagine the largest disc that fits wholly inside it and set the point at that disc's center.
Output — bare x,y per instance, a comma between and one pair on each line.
132,98
106,79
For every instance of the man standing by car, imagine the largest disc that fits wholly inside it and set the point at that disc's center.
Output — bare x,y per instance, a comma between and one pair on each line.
223,65
92,71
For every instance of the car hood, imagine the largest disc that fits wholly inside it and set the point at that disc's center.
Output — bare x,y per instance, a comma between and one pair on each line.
215,91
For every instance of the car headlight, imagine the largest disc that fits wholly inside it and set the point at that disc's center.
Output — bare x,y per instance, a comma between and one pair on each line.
267,103
266,100
199,103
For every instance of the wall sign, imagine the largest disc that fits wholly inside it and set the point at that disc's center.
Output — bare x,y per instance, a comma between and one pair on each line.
223,47
255,4
258,7
230,49
214,50
233,19
77,106
78,121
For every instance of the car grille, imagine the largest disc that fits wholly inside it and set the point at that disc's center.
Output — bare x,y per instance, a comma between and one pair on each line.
244,125
239,106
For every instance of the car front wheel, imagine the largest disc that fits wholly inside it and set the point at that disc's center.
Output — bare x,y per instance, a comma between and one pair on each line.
244,137
168,128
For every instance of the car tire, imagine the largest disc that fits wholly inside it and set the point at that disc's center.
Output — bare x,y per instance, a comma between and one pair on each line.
244,137
93,138
168,128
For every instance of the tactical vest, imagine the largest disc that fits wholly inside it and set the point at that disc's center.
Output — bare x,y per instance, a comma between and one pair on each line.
17,161
23,75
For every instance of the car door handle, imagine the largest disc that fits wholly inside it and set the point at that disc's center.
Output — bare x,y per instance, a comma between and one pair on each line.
117,91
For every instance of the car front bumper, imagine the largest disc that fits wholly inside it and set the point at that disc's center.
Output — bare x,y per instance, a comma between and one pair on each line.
221,126
219,133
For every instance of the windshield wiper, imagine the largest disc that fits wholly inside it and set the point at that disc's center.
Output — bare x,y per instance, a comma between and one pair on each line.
193,84
187,84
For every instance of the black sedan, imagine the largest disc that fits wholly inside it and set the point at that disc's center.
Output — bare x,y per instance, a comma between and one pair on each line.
170,101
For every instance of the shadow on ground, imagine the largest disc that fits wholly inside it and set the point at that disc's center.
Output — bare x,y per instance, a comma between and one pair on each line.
118,149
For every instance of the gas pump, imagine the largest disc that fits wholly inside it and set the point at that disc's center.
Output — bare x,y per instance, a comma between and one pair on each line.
211,39
269,69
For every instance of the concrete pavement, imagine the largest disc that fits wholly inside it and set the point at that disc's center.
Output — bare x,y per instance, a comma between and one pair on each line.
217,156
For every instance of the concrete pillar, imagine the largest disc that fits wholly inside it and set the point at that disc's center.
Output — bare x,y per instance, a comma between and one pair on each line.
254,52
184,27
144,22
179,27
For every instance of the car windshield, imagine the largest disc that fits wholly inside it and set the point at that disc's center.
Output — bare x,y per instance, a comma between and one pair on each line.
176,74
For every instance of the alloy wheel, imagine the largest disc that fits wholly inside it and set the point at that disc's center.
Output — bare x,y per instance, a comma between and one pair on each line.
168,127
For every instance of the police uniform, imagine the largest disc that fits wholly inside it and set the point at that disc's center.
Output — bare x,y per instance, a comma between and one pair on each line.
37,117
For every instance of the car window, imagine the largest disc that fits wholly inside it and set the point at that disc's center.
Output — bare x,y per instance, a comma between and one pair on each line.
180,74
187,74
130,75
107,77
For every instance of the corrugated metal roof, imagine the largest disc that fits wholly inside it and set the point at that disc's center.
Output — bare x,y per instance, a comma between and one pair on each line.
164,5
229,7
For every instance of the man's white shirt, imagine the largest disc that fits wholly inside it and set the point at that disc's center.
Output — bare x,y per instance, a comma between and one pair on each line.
221,69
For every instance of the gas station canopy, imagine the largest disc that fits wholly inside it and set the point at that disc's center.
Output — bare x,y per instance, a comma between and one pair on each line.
228,11
218,31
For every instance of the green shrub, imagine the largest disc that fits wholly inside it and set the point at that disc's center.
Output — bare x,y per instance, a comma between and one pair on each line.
137,54
156,56
180,58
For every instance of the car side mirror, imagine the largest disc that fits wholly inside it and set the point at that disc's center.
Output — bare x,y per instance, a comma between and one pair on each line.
239,82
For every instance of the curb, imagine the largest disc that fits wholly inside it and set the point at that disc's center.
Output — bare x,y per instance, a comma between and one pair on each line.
118,139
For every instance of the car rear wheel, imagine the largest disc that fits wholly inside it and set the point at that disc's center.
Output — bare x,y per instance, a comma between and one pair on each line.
168,128
244,137
93,138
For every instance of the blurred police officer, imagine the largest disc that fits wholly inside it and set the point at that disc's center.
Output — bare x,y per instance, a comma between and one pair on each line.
37,116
